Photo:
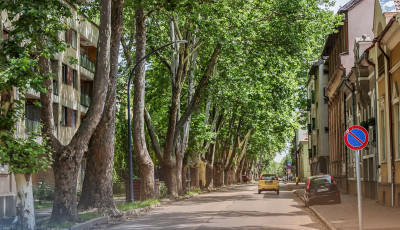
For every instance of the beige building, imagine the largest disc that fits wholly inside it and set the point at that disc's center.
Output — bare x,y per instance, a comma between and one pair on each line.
303,160
386,57
72,90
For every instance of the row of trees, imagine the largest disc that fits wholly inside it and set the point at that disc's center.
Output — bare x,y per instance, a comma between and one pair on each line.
214,99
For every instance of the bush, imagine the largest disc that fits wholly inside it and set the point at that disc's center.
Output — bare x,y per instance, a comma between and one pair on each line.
43,192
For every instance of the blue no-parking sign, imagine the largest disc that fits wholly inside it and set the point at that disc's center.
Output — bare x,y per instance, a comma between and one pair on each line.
356,137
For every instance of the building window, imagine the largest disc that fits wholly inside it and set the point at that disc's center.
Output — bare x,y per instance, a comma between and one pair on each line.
55,87
74,39
74,116
75,79
397,128
32,118
64,116
64,73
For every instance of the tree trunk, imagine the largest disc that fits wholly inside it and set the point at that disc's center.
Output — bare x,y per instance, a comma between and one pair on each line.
194,174
146,167
170,178
67,159
185,167
25,204
97,191
65,178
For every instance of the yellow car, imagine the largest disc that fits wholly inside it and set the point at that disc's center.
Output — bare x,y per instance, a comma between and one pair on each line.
268,182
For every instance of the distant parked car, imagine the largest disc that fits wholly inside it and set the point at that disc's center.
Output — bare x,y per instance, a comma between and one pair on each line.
245,178
268,182
321,188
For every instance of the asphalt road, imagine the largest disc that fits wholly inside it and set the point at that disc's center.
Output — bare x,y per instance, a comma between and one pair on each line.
239,207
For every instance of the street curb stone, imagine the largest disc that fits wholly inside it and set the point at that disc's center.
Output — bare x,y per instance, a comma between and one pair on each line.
90,223
315,211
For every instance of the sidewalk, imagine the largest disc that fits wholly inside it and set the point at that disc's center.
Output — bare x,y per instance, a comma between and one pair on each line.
345,215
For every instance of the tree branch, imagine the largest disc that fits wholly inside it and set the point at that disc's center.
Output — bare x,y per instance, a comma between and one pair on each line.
153,136
162,59
203,82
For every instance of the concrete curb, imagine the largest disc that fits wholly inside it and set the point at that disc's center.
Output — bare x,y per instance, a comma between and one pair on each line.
316,212
136,212
90,223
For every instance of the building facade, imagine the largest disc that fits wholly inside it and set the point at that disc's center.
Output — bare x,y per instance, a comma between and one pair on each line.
358,20
303,160
72,90
386,57
318,138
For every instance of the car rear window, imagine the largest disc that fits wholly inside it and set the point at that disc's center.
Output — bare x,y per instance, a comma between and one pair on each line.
268,177
320,180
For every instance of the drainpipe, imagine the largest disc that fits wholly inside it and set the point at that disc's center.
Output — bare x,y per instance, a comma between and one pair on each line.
390,115
375,125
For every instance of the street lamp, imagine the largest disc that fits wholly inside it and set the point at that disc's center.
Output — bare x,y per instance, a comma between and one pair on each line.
129,115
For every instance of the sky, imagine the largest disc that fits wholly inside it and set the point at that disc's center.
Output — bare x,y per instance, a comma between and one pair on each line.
338,4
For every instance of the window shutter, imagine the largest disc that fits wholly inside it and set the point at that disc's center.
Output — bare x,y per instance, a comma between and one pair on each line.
69,117
70,76
68,36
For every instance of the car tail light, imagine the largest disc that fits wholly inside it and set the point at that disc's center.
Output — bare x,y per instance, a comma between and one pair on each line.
333,181
337,194
308,185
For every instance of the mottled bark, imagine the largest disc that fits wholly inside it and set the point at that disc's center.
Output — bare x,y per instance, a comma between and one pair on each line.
25,204
146,167
67,159
194,173
97,191
185,167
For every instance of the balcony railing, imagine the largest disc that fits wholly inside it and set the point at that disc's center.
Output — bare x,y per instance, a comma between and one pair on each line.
87,63
85,100
32,125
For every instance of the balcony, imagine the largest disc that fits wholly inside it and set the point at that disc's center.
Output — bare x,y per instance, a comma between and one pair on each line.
87,63
31,125
85,100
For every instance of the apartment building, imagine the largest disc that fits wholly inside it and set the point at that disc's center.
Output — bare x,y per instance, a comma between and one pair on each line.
72,91
358,20
318,138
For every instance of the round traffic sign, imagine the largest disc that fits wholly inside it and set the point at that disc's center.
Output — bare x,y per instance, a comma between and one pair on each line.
356,137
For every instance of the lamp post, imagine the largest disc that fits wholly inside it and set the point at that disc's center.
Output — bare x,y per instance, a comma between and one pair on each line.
129,115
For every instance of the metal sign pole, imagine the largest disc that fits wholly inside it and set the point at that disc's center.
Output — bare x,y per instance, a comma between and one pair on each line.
360,220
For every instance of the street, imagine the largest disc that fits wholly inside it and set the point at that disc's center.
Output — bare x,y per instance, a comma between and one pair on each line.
239,207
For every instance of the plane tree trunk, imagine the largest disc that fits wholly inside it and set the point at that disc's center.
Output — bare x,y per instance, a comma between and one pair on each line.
67,159
97,191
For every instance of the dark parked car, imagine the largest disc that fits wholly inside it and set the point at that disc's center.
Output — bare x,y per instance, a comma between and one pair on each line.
321,188
245,178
